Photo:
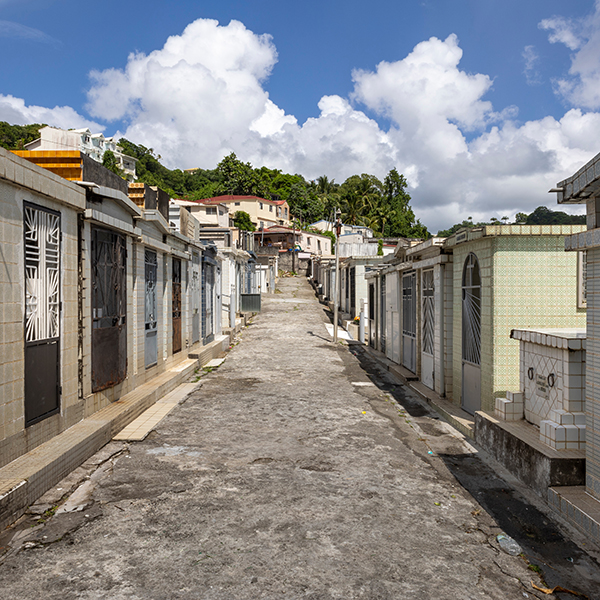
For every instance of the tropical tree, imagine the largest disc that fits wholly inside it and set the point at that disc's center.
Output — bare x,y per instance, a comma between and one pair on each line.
328,194
402,221
240,179
14,137
304,203
241,219
381,216
353,208
109,160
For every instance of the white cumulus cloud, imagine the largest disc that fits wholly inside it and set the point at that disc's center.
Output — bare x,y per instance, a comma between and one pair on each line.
204,95
15,111
563,31
582,87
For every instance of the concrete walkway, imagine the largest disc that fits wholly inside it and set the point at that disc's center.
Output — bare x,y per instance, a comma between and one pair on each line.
289,474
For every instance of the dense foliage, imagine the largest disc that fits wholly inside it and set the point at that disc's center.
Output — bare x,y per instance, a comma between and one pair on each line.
542,215
109,160
14,137
362,199
191,185
242,220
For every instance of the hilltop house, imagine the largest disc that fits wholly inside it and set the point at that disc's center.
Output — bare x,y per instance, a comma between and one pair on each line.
93,145
263,212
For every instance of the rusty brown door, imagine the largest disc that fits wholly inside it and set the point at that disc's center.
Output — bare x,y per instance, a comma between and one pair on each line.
176,305
109,309
42,313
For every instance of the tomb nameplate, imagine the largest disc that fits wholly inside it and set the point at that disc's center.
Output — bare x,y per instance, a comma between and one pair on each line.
541,386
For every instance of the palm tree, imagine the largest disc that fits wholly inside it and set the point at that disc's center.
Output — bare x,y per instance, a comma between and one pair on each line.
352,209
324,186
384,215
327,193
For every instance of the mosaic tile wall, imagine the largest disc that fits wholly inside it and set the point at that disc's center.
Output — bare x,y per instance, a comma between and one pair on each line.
34,185
535,283
593,374
528,281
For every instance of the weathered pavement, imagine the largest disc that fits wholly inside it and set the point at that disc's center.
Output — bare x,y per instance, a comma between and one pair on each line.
288,474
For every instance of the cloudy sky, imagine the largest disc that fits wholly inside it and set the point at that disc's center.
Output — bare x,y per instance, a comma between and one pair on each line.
484,105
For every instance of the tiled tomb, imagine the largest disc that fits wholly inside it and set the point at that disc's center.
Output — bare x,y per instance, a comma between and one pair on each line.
552,386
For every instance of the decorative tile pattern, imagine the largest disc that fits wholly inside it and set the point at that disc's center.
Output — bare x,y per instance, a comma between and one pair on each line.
592,391
528,281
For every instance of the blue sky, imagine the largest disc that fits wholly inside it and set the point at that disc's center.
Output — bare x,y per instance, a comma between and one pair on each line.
483,104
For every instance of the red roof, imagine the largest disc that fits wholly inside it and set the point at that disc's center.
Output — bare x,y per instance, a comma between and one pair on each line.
230,198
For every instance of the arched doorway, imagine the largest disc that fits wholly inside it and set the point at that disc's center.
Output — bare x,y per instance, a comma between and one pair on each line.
471,335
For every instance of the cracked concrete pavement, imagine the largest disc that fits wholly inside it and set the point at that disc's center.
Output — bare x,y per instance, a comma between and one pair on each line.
296,470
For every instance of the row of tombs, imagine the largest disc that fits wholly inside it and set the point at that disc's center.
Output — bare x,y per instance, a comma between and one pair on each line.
106,286
490,321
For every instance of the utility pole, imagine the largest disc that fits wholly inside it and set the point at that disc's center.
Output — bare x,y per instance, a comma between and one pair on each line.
337,227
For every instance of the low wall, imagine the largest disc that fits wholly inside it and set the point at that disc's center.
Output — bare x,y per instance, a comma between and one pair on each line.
535,466
301,265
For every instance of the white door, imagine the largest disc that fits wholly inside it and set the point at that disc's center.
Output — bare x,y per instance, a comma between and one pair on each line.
409,322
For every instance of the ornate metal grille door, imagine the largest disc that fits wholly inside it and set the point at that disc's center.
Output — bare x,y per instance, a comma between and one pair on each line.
428,312
428,328
176,301
151,309
42,313
409,321
195,283
109,309
471,335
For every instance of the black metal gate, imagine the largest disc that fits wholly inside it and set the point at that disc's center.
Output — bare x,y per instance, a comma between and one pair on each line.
109,309
42,312
372,333
150,308
353,292
176,305
195,297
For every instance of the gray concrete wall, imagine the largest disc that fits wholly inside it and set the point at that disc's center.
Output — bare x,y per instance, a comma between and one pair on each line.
532,464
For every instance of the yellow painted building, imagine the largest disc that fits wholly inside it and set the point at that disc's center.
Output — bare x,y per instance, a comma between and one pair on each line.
263,213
